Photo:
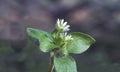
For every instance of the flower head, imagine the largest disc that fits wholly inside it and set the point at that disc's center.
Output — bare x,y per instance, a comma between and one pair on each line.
67,37
62,26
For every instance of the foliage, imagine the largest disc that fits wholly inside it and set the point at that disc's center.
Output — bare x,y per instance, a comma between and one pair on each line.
61,44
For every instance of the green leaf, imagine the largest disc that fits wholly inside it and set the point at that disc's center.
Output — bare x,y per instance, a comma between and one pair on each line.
80,43
65,64
45,39
54,32
64,51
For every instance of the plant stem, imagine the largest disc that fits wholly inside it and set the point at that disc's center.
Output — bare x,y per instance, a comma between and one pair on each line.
51,66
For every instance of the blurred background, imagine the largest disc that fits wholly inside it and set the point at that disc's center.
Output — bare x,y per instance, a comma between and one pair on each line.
98,18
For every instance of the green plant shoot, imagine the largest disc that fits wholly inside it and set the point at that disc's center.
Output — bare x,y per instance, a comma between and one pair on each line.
60,44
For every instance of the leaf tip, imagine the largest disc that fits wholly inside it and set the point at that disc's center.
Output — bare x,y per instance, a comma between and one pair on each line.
28,29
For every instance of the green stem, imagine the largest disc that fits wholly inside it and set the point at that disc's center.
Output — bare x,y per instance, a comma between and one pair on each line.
51,67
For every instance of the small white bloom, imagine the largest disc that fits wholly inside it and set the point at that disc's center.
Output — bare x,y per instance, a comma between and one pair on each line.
61,25
67,37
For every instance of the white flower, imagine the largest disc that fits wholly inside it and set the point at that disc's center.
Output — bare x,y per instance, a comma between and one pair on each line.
62,26
67,37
